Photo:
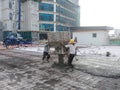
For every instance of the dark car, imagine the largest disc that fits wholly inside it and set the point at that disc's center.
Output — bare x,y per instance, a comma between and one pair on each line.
15,39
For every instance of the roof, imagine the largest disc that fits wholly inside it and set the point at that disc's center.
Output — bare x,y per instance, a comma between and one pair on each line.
92,28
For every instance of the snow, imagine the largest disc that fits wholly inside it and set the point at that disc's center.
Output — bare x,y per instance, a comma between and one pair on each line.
100,50
34,49
92,50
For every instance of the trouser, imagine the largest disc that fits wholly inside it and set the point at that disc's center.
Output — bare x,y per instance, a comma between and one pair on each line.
46,54
70,59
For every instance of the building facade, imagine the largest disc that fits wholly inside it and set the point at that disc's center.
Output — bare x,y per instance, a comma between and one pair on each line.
115,37
92,35
30,17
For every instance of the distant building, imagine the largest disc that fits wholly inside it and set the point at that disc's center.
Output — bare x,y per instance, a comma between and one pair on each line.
115,38
117,32
31,17
94,35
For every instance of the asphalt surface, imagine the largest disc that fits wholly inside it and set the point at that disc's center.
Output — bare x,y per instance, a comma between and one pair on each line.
22,70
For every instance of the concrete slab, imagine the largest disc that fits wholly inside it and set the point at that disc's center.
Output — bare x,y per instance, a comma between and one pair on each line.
22,70
98,65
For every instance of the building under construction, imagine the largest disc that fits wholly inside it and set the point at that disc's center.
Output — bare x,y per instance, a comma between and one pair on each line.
34,18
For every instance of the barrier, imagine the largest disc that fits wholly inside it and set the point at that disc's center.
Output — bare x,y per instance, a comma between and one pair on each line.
18,46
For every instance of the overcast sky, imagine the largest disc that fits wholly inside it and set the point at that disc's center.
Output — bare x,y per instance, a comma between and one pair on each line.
100,13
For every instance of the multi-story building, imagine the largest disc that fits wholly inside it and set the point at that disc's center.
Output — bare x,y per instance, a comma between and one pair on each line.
33,18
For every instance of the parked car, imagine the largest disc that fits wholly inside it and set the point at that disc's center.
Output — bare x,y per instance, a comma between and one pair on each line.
15,39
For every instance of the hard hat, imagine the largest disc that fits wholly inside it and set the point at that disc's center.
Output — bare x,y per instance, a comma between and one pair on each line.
72,41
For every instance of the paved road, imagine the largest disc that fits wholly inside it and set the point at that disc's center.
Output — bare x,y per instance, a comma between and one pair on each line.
25,71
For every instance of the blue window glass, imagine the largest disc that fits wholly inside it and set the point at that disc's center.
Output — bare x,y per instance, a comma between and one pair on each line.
46,27
46,17
65,20
66,4
46,7
61,28
67,13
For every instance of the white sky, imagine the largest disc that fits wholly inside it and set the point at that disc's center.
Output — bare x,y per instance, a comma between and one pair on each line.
100,13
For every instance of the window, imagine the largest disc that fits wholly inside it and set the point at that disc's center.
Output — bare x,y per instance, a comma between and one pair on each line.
46,27
10,16
61,28
46,7
10,4
46,17
94,35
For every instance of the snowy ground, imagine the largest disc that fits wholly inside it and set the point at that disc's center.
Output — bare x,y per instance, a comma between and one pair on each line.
34,49
93,50
100,50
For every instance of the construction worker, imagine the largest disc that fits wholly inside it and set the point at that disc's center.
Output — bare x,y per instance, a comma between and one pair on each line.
72,51
46,51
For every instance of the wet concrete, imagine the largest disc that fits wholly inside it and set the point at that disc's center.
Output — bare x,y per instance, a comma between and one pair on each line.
99,65
25,71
